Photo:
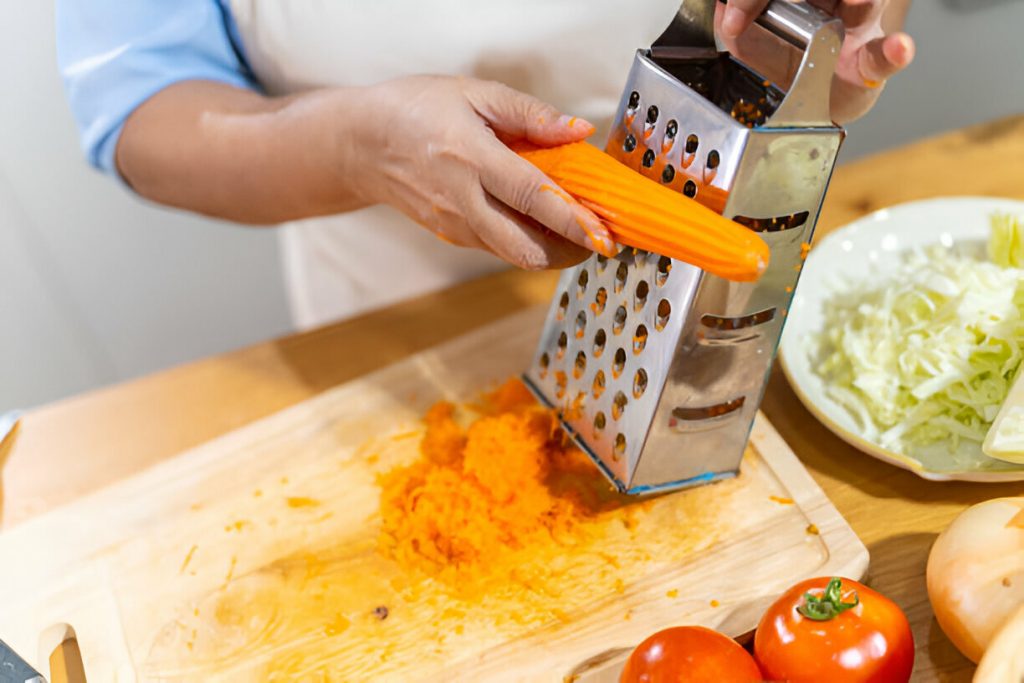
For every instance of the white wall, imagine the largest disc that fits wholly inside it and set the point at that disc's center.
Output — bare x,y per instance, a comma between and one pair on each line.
97,287
969,68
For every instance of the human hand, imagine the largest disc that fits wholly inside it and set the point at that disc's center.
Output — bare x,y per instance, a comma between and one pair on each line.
869,56
435,148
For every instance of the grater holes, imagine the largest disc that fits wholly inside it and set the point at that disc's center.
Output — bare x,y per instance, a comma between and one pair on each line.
708,412
620,277
619,449
664,311
619,405
640,295
602,263
582,282
718,322
629,144
600,301
639,383
581,324
639,339
639,257
560,383
648,159
664,268
563,341
545,363
580,366
597,388
631,108
619,320
600,421
652,115
690,189
671,129
618,363
692,143
600,339
668,174
714,159
563,305
774,223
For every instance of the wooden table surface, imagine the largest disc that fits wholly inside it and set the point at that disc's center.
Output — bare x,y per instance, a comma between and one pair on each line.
75,446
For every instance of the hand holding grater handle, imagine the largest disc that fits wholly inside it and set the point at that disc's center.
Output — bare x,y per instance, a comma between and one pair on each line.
795,22
658,368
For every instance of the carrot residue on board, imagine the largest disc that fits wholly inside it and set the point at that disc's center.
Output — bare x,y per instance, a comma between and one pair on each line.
491,528
506,481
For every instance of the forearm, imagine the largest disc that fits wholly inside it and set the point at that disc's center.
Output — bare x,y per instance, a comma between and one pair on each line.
235,154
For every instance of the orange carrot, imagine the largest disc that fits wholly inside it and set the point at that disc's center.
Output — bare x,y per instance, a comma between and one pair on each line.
644,214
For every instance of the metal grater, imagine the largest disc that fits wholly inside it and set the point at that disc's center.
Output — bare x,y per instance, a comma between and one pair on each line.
657,367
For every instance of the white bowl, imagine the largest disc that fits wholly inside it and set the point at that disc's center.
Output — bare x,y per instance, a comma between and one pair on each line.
852,253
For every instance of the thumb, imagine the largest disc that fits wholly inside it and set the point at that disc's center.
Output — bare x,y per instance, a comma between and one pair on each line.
517,116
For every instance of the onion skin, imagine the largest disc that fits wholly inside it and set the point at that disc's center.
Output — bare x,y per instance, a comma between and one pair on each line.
1004,658
975,573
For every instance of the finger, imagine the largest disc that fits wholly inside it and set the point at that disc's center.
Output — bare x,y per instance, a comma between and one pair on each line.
517,116
738,15
856,14
524,188
880,59
519,240
442,213
449,225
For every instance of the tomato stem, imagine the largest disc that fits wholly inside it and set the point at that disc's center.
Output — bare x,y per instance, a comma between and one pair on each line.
830,605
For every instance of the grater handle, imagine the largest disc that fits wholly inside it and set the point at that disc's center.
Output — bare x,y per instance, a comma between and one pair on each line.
794,22
797,48
803,63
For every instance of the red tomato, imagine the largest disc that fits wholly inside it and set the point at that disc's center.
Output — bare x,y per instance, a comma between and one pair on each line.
835,630
693,654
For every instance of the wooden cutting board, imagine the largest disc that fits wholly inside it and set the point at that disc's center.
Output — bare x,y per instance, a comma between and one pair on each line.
255,557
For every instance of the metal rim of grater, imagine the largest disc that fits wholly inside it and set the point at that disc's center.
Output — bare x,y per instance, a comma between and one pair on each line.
656,367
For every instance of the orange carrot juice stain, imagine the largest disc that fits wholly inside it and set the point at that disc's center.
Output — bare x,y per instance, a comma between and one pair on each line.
558,192
336,626
301,502
188,559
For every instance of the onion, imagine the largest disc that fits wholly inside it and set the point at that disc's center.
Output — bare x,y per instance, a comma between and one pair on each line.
976,573
1004,658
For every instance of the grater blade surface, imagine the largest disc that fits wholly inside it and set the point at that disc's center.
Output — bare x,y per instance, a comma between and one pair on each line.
657,368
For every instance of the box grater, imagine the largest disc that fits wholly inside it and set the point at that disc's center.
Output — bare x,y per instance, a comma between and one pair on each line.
658,368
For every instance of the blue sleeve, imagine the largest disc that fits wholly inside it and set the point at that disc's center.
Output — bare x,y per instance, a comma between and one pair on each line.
114,55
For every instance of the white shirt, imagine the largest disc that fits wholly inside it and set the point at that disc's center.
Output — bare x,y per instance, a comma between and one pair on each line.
574,54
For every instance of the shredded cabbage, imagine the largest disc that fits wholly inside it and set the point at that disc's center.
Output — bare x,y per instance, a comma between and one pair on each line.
929,351
1006,245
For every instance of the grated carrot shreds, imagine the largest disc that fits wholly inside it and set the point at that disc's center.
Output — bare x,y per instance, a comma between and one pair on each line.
506,481
642,213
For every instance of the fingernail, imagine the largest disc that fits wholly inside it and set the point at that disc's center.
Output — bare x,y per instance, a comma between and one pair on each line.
608,248
906,49
598,237
732,22
576,123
